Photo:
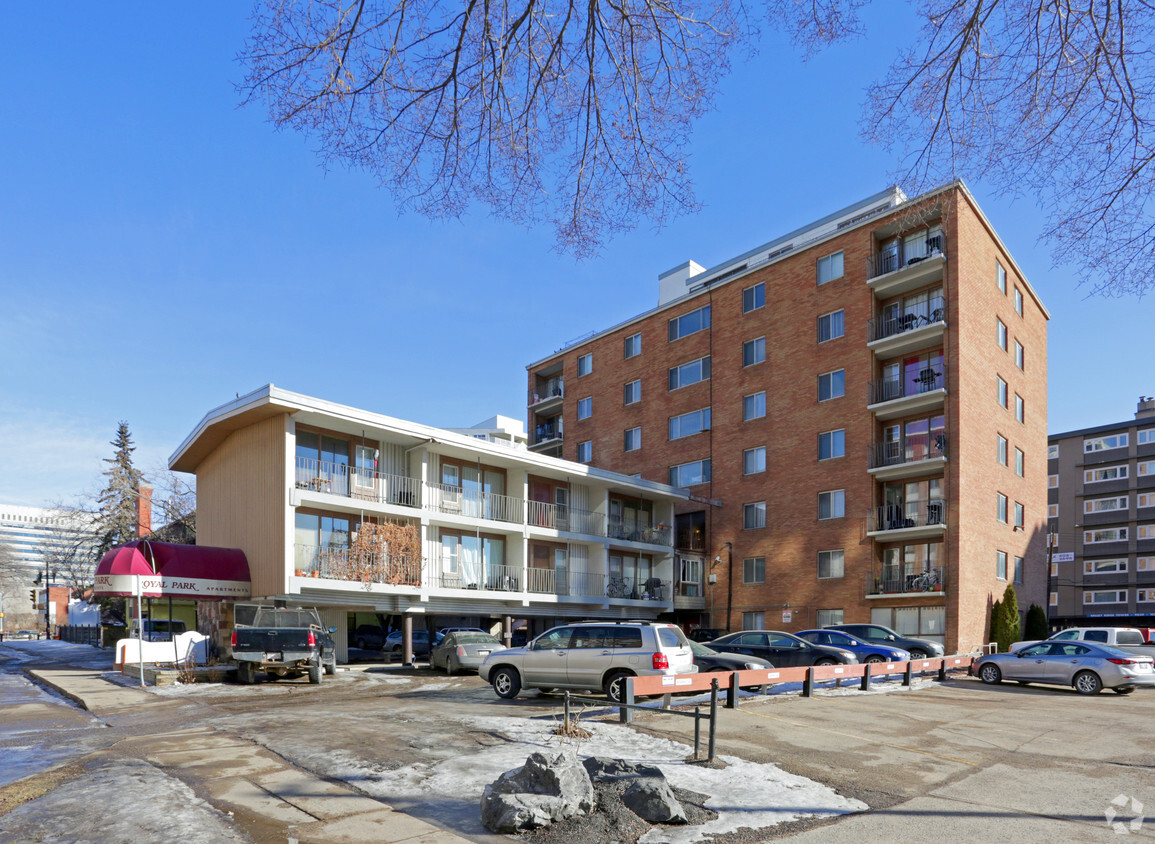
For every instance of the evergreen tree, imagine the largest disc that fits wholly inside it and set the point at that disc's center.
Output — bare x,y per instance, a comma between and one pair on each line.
1013,624
117,505
998,623
1037,626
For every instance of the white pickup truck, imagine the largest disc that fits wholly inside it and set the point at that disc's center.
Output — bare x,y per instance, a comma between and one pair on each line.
1124,638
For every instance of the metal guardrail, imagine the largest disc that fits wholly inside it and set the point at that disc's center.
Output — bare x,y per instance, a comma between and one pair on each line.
912,448
626,706
905,254
928,313
909,515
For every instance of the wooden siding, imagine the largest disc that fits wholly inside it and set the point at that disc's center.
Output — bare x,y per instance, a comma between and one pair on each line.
242,499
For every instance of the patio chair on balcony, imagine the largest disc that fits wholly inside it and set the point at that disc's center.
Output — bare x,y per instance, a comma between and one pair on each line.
653,589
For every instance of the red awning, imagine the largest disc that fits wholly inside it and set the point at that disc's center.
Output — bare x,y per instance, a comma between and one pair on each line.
176,571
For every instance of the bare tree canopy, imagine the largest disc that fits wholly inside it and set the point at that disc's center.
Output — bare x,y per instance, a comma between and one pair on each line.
573,113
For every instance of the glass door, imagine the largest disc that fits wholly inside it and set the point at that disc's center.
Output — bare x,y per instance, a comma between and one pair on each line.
471,489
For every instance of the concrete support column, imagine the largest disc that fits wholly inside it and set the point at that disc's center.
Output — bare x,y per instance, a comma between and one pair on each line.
507,630
407,640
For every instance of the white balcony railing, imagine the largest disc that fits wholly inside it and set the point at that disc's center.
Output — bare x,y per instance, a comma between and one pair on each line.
457,501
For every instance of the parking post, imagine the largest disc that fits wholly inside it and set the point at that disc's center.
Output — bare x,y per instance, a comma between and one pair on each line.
565,713
697,731
626,713
942,670
865,677
732,693
909,673
713,719
808,683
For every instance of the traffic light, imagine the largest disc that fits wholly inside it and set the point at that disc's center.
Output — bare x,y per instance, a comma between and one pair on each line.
32,596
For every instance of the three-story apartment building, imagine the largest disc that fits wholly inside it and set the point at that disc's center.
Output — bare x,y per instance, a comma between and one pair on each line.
349,510
858,409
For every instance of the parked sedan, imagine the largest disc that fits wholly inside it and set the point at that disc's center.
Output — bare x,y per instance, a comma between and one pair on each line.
878,635
865,651
708,659
784,650
1086,666
463,649
420,642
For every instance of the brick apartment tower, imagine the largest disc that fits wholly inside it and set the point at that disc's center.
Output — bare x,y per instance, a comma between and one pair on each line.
859,408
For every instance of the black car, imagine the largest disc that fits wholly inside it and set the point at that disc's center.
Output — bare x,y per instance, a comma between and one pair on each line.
705,634
878,635
782,649
368,637
708,659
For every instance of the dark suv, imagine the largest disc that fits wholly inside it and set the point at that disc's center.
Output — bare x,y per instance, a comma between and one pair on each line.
879,635
368,637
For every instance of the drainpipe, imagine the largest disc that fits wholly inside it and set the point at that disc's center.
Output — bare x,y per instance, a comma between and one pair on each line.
729,581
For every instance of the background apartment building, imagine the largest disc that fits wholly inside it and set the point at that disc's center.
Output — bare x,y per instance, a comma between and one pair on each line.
858,409
1101,512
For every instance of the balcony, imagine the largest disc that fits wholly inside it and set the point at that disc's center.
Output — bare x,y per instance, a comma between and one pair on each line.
473,504
568,519
923,391
911,456
913,520
916,329
630,589
906,266
568,584
454,573
360,568
687,541
631,531
362,484
547,395
930,582
547,437
689,595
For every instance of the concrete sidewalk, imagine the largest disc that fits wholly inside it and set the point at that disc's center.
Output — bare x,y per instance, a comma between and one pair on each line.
238,776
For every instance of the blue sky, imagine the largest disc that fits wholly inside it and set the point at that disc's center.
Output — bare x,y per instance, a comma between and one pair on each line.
162,249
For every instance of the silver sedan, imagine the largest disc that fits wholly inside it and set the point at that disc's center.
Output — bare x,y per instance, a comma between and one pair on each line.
463,649
1086,666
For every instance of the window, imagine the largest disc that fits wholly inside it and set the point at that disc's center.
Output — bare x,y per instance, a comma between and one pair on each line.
1052,511
1052,481
1146,467
754,460
1145,437
1018,354
753,298
1105,596
1002,392
1019,407
1001,278
1000,507
688,474
690,323
1145,564
1053,599
1001,565
1146,531
1018,569
690,423
830,564
831,326
633,346
832,505
753,406
1105,505
1146,499
754,515
825,618
754,351
1104,443
753,621
585,408
633,439
1018,301
585,452
1144,596
830,268
1019,515
633,392
753,571
1001,449
1054,569
690,373
585,364
1020,460
1111,566
1117,534
832,444
1106,473
1053,452
1001,334
832,385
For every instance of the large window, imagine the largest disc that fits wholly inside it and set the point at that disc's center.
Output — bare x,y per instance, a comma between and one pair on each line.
1002,391
689,474
314,531
690,373
825,618
753,621
753,298
754,351
754,515
1115,534
754,460
1145,437
1001,449
1104,443
830,268
690,423
1019,515
831,564
1105,596
633,439
690,323
754,570
1001,507
1113,565
474,561
633,346
832,385
1106,505
753,406
585,408
1104,473
1018,569
585,364
831,326
832,504
1001,565
633,392
832,444
585,452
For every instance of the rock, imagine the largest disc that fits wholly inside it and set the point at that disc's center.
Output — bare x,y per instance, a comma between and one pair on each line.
651,800
541,791
604,769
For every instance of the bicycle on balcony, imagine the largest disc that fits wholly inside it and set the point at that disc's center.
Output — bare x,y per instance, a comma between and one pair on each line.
925,582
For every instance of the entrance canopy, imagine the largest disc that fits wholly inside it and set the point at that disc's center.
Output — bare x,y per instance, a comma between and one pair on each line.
174,571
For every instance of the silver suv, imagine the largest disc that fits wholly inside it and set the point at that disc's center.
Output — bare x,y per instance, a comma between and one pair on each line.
590,655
